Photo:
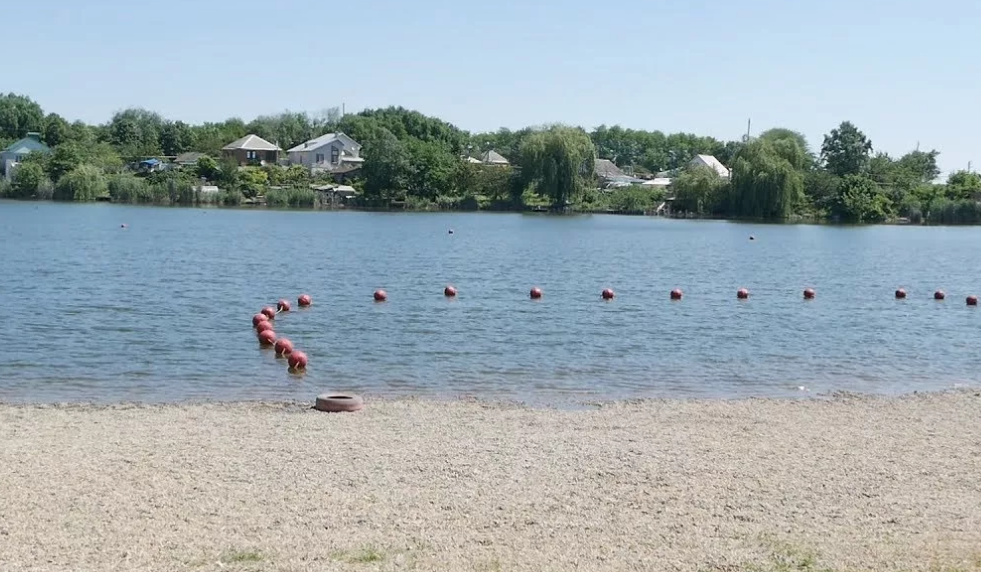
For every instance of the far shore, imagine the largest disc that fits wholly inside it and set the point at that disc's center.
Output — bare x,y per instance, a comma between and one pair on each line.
538,211
840,483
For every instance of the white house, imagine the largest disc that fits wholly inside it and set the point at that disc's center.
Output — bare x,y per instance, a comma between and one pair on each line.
15,152
712,163
333,152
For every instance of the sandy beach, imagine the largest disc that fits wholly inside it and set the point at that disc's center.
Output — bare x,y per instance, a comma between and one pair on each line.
844,483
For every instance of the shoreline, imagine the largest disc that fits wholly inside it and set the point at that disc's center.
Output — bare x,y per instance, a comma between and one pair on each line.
848,482
526,211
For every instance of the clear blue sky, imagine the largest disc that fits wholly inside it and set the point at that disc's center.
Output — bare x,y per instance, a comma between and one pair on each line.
904,71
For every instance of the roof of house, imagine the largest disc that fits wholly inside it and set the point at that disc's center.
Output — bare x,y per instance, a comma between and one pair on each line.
607,169
251,142
318,142
493,157
28,144
474,160
712,163
189,157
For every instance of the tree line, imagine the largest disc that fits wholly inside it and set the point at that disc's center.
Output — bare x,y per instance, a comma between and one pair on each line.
420,162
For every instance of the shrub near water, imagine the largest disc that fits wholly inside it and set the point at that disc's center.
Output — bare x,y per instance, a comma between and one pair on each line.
84,183
291,198
129,189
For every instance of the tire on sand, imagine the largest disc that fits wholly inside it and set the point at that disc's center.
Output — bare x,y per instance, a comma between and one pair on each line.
338,403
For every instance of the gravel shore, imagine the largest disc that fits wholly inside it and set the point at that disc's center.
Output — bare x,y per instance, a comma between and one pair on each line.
845,483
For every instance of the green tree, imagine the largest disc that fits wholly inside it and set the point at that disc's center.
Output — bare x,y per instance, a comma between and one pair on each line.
252,181
765,183
84,183
136,133
176,137
846,150
963,185
431,169
19,115
699,190
56,130
821,189
386,167
27,180
207,168
65,158
559,162
861,200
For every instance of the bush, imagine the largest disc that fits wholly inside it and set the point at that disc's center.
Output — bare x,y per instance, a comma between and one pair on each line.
291,198
5,189
27,179
129,189
84,183
230,198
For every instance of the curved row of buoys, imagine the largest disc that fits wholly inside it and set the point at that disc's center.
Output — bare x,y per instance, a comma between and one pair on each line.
677,294
266,333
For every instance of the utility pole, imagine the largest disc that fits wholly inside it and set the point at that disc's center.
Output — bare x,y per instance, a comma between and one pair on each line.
749,123
968,166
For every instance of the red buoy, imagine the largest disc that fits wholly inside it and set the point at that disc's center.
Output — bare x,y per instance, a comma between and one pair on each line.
381,295
809,293
297,361
900,294
284,347
283,306
939,295
304,300
263,326
607,294
259,318
449,291
742,293
536,293
676,294
267,337
972,300
270,312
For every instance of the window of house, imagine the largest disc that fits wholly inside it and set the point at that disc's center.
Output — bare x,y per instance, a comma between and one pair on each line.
335,154
320,158
250,154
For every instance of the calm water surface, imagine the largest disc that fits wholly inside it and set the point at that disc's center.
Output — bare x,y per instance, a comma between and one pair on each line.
160,310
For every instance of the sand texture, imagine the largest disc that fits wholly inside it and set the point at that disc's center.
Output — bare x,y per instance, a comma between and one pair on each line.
847,483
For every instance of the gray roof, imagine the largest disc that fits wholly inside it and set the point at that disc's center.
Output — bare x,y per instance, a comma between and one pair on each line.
315,142
607,169
493,157
26,145
320,142
251,143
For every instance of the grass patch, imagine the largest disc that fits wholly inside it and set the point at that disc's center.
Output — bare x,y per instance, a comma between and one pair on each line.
240,556
365,555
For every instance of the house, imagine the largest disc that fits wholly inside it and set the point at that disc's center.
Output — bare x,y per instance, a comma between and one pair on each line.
188,159
15,152
710,162
252,150
493,158
607,170
611,176
331,153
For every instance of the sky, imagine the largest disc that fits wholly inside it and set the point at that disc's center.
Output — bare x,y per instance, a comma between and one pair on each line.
905,72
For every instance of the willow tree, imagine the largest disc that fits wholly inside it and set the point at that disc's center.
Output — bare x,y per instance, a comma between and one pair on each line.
767,178
559,162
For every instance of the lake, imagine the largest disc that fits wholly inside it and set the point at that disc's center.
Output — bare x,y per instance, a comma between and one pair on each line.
160,310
